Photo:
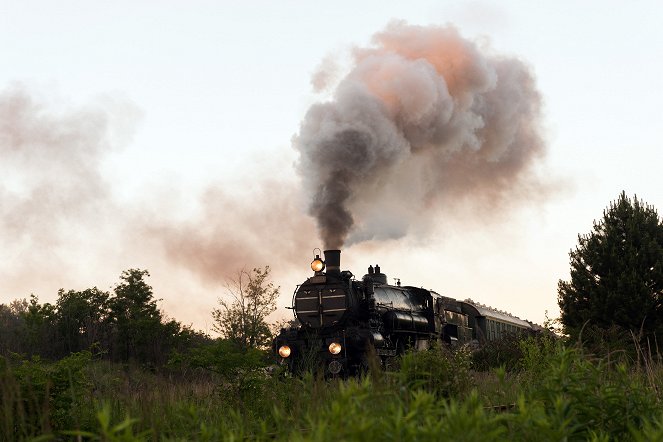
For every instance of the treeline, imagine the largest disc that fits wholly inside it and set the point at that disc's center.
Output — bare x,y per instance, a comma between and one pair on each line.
122,325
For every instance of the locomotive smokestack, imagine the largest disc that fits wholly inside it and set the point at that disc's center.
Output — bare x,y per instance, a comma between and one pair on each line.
333,262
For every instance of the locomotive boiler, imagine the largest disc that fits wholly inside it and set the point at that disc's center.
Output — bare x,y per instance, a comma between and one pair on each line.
343,320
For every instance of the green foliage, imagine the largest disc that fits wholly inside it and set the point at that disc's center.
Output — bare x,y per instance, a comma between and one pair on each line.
13,326
243,320
125,325
362,412
244,378
562,395
227,359
39,396
81,318
121,432
588,396
617,273
39,321
613,341
537,353
135,317
515,352
438,370
504,352
651,431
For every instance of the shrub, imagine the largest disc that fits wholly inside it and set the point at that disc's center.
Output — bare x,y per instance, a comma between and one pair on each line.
438,370
593,396
514,352
504,352
40,397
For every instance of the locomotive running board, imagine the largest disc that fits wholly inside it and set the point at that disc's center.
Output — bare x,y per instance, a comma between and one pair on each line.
383,352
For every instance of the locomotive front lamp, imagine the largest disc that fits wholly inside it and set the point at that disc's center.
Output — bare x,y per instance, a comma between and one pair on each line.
335,348
284,351
317,265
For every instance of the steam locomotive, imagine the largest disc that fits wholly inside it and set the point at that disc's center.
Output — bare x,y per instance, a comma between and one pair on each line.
343,320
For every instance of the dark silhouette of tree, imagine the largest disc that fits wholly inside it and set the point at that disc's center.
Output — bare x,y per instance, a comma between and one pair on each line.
82,318
13,326
135,316
125,325
40,322
243,321
617,273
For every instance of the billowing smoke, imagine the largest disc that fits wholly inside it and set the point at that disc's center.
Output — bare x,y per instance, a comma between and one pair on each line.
264,227
424,120
50,181
62,225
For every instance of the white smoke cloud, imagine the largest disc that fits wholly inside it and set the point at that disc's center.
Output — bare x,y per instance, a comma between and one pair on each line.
425,119
61,222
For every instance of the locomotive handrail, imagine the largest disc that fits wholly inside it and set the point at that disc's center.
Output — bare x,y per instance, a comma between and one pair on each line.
390,306
294,294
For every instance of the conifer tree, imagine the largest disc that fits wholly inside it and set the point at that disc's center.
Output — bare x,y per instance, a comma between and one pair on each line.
617,273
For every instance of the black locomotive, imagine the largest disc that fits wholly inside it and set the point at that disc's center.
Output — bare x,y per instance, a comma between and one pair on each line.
343,320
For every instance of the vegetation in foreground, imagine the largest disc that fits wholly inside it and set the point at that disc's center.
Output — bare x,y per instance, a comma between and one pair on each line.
551,392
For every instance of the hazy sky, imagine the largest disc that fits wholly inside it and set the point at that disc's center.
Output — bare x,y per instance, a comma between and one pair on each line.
158,135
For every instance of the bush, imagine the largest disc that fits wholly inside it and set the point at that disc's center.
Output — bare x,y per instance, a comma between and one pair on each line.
438,370
362,411
41,397
537,354
558,394
504,352
614,342
592,396
514,352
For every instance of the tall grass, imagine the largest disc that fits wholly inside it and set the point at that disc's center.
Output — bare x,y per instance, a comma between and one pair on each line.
552,393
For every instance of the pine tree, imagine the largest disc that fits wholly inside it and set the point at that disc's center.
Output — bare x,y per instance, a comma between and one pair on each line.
617,273
136,318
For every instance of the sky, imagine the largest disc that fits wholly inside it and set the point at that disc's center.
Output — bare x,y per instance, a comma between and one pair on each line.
164,136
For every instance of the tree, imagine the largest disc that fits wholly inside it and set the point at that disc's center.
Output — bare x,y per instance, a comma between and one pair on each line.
13,327
242,321
40,320
81,318
136,318
617,273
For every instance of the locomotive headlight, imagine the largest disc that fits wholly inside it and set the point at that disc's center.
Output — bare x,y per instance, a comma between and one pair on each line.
317,265
284,351
335,348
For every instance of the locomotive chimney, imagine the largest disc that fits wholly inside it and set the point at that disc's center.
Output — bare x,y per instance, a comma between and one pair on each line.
333,262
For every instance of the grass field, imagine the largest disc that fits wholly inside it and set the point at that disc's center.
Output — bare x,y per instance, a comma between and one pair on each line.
551,392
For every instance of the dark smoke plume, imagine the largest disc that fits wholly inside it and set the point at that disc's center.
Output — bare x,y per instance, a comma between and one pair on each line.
424,120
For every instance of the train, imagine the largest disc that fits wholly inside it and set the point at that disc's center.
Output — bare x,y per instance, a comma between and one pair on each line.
342,321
